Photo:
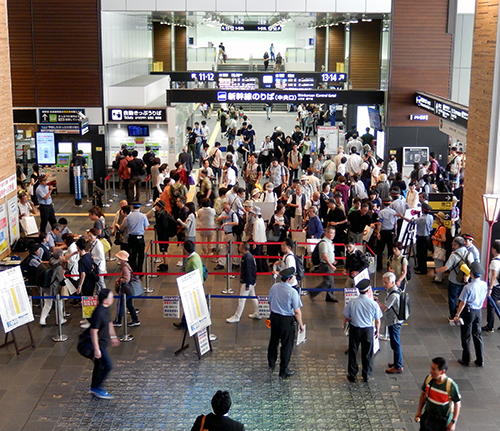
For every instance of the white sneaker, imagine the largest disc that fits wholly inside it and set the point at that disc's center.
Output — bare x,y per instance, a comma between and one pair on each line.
384,338
158,260
233,319
255,316
179,264
83,321
63,321
85,325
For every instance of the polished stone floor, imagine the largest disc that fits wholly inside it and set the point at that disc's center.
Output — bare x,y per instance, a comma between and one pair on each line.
46,388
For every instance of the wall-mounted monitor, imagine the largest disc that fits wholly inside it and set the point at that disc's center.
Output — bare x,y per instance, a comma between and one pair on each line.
45,148
65,147
138,130
86,147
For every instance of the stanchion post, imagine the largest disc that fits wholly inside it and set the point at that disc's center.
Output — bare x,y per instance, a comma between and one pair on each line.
295,246
106,200
59,316
149,191
149,266
228,289
212,337
126,337
114,195
217,239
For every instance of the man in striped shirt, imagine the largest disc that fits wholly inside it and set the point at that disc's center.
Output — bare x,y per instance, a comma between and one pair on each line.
441,398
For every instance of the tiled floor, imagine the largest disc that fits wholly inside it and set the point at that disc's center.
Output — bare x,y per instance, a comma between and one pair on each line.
46,388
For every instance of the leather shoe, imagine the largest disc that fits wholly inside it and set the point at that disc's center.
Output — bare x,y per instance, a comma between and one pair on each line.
287,374
272,367
479,364
179,325
486,329
352,379
393,370
461,362
330,299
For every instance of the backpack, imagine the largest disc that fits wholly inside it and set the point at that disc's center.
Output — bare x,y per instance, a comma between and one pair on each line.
176,191
461,275
93,274
34,197
107,233
44,275
315,257
404,305
240,227
299,267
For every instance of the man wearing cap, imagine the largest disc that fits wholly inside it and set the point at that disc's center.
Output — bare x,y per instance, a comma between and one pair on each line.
251,173
399,205
471,248
44,195
285,305
453,265
423,229
307,189
249,221
361,312
137,223
471,301
387,219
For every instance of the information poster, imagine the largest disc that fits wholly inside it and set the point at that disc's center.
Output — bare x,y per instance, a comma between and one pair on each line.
89,304
4,240
203,341
264,309
45,148
350,293
15,306
194,302
13,219
171,307
331,135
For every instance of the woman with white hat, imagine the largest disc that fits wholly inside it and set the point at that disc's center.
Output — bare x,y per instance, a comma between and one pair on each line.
438,241
125,277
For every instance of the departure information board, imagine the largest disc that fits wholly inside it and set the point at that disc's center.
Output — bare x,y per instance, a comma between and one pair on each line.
254,80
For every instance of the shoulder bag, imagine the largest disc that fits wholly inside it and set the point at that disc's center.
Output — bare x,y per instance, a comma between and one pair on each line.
133,287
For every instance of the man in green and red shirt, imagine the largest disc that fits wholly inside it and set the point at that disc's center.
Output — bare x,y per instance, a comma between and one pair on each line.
441,398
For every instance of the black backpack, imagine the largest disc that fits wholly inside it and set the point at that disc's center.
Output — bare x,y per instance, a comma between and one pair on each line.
44,275
238,229
315,257
404,305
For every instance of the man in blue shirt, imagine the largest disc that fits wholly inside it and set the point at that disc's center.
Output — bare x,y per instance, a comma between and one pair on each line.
137,223
471,248
44,195
423,229
285,305
469,309
360,313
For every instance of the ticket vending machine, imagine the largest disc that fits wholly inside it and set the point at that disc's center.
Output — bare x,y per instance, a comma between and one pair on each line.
61,172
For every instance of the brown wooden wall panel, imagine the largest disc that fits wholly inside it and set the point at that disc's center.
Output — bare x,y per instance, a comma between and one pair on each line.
420,57
21,53
364,61
336,52
8,165
481,90
320,49
65,50
162,45
180,49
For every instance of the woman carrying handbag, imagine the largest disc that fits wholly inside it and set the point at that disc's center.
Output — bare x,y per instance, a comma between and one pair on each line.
126,275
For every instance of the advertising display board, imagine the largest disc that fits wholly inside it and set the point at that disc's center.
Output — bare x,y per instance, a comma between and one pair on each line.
15,307
194,302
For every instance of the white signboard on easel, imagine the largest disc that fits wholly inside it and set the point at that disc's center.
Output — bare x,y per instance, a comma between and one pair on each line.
194,301
15,307
331,135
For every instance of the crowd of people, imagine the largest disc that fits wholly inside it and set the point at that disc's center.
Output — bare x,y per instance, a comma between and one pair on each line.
336,201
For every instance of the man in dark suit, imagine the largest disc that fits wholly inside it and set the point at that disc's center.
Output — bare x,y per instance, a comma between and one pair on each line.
217,421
